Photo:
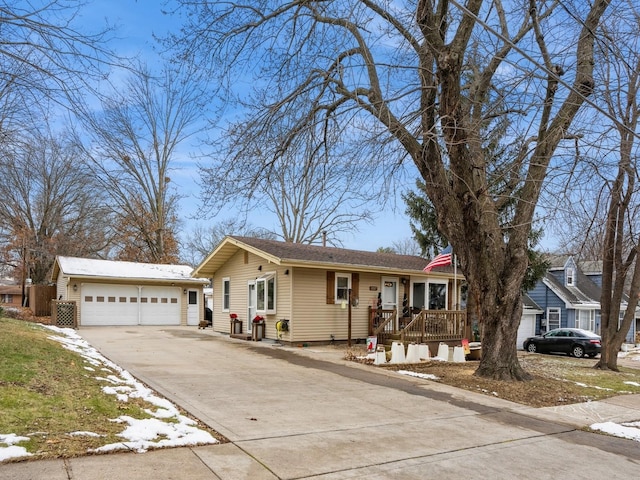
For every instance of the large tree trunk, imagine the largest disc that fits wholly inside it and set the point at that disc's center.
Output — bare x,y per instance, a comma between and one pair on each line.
499,353
493,255
494,271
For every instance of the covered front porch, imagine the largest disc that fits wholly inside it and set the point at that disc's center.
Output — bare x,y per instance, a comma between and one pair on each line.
425,326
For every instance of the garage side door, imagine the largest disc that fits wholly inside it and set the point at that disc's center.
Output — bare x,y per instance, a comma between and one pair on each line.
103,304
160,305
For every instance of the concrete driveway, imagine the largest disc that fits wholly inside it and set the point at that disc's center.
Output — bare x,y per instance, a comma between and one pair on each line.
295,413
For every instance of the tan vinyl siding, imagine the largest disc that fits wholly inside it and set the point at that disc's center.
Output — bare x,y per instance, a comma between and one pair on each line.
61,287
315,320
240,269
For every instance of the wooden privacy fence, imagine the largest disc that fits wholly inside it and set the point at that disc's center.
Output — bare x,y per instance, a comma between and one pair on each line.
40,297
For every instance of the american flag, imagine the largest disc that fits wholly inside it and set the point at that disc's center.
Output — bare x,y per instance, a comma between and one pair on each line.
442,259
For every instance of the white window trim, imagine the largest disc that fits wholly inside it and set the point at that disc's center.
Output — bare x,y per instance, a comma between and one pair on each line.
571,277
411,291
226,281
591,320
264,279
348,277
446,292
550,310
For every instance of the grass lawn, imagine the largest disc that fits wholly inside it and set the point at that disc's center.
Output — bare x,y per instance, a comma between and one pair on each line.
558,379
64,401
53,396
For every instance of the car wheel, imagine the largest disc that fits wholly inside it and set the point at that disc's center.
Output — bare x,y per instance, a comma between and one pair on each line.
532,348
577,351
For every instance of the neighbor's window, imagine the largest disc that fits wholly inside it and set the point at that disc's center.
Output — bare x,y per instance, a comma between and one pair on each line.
586,320
266,293
570,277
343,284
226,294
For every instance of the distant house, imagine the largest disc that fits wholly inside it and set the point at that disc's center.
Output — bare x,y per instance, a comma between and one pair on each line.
10,296
129,293
308,286
569,296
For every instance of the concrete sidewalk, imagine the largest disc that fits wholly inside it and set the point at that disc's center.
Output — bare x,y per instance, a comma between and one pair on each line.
307,413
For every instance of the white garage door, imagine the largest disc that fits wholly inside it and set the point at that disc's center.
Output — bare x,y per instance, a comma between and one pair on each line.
103,304
526,329
160,306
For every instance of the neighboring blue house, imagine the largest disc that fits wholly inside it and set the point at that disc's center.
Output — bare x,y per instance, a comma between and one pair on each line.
569,296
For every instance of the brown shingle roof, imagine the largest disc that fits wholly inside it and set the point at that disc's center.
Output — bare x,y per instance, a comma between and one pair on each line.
11,289
295,252
312,256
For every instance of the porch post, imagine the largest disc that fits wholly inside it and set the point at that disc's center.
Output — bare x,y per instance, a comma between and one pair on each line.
349,321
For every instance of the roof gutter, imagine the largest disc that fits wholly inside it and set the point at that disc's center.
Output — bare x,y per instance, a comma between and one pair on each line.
195,281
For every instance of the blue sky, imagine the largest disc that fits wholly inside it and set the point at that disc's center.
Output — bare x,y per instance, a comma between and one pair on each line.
137,22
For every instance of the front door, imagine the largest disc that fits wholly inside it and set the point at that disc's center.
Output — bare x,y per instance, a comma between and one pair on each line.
390,294
193,308
252,300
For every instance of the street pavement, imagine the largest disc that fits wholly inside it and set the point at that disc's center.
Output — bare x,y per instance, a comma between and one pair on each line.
306,413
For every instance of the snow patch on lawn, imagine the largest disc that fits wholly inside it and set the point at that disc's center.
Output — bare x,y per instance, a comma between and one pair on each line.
168,428
428,376
11,450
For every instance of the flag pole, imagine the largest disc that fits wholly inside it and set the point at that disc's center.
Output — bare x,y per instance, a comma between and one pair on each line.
455,283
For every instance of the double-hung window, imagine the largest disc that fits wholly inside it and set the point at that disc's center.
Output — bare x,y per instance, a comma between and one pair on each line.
343,284
266,293
586,320
570,276
226,294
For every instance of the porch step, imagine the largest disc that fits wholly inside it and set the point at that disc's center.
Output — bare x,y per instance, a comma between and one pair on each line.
241,336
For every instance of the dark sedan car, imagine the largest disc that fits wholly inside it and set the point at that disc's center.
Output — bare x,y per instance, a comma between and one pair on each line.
572,341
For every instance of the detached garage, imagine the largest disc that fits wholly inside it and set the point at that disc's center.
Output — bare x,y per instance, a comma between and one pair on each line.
129,293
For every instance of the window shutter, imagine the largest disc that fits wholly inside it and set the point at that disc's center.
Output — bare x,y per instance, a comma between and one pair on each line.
355,287
331,287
